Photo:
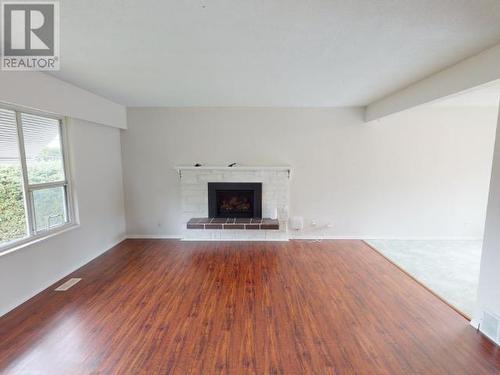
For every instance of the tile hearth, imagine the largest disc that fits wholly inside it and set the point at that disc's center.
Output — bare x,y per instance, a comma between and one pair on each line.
233,223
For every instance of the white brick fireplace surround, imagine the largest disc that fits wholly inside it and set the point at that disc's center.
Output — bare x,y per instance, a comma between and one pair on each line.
275,197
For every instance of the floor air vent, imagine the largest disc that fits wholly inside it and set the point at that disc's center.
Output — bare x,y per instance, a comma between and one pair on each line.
66,285
490,326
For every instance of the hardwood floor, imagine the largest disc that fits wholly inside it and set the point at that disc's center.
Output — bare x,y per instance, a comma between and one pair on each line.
171,307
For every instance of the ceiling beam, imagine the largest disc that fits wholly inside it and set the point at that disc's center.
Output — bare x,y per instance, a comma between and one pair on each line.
466,74
43,92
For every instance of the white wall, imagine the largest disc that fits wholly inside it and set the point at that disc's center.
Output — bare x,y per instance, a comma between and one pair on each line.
96,162
419,174
489,277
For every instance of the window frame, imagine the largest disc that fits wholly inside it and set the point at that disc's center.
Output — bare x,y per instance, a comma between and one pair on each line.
34,235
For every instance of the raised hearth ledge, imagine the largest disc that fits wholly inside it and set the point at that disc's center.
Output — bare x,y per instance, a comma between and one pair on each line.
233,224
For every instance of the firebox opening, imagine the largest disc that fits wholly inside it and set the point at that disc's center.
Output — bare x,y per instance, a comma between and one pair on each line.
235,200
235,203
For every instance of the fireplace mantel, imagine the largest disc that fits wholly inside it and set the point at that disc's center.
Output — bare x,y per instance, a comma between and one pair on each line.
181,168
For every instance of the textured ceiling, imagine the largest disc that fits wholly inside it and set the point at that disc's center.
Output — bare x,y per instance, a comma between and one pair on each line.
267,52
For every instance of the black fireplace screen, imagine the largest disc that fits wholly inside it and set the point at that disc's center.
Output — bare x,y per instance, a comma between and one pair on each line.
235,199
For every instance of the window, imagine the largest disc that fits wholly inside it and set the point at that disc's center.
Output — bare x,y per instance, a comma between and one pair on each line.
34,183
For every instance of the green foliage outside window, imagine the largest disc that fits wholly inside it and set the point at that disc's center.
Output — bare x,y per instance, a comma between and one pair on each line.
49,205
12,215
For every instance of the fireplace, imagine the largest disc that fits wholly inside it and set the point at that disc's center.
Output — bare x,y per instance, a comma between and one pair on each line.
235,199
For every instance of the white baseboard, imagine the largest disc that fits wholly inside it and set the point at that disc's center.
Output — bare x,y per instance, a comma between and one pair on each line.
180,237
423,238
368,238
312,237
296,236
155,236
235,240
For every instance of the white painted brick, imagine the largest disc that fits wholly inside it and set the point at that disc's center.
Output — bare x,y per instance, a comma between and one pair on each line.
211,177
194,191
